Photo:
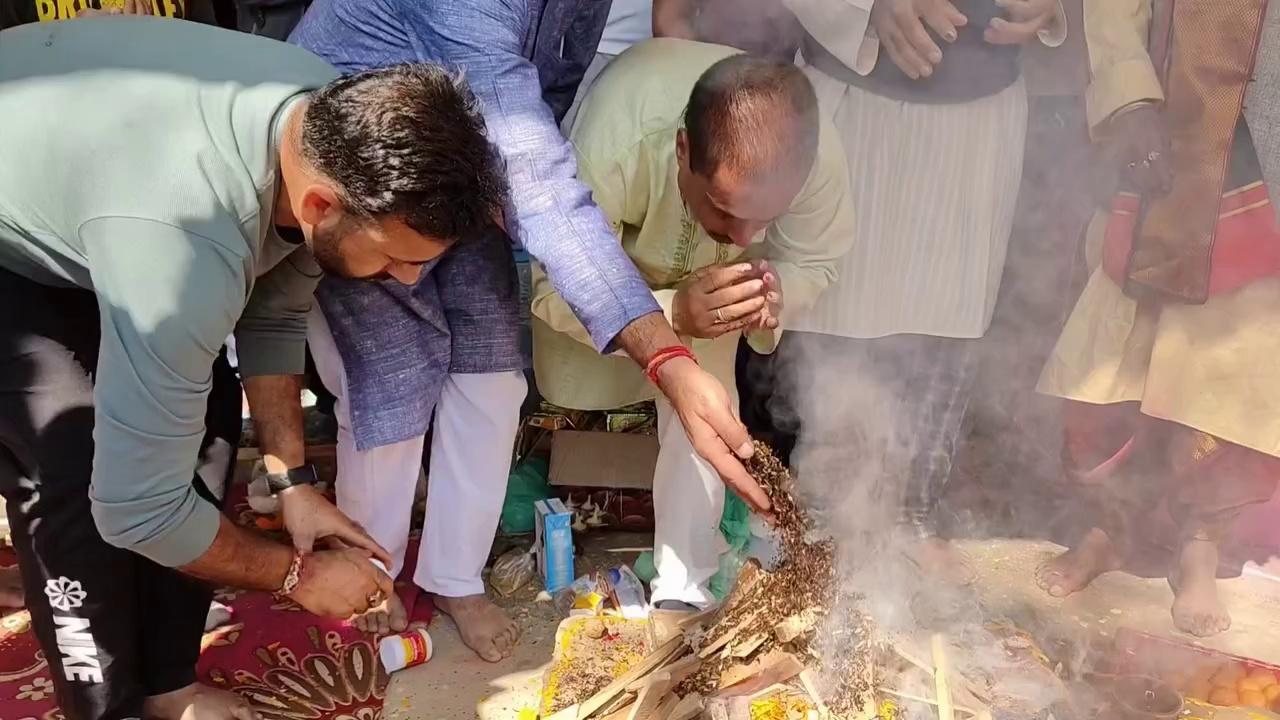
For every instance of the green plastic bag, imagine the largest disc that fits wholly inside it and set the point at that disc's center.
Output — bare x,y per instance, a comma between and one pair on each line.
735,525
526,485
736,528
643,567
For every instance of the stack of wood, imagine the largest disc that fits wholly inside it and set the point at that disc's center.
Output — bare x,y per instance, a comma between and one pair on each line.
761,641
789,645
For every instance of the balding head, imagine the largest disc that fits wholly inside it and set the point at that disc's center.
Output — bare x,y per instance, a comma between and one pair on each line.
749,141
752,116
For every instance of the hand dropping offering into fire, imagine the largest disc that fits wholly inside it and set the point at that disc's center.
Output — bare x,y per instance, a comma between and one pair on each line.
720,299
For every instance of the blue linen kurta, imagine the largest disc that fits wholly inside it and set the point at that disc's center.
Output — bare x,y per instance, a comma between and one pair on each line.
524,60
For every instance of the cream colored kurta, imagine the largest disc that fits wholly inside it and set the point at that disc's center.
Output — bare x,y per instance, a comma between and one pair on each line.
1212,366
625,137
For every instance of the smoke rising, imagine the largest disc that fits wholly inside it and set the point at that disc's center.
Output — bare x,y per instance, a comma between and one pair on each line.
865,413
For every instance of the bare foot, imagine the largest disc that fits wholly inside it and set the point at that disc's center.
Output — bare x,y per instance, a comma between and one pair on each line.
937,558
1073,570
198,702
1197,609
386,617
485,627
11,588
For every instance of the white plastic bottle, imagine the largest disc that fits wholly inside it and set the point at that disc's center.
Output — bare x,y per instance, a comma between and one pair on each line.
405,650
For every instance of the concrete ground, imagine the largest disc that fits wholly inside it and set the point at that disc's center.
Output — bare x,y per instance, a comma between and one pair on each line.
1006,583
456,685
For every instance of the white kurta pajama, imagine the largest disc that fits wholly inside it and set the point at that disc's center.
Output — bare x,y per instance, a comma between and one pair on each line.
935,168
471,444
936,186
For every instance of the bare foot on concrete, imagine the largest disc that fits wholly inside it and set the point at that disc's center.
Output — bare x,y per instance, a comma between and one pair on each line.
1197,608
386,617
1073,570
485,627
198,702
11,588
939,559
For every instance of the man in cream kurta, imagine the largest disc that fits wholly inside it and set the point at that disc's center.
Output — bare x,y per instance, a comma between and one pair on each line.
728,191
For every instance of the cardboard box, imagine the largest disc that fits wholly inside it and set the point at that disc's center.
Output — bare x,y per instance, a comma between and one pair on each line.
553,544
603,459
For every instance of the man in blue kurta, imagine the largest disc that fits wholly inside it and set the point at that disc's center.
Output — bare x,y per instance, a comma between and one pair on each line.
455,335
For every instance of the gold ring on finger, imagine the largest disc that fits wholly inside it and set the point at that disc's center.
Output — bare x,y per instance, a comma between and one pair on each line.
719,316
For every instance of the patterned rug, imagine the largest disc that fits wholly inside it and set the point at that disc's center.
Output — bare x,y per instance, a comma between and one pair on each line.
289,664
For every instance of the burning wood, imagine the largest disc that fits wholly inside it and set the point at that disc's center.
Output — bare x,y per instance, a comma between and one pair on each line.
759,646
770,615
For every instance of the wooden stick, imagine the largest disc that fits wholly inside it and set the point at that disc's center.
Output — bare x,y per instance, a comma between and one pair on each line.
773,668
689,707
941,682
651,662
620,706
679,670
622,713
667,706
725,639
910,657
651,695
747,647
907,654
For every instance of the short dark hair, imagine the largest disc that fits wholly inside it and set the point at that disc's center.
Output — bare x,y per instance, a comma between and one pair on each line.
407,141
752,114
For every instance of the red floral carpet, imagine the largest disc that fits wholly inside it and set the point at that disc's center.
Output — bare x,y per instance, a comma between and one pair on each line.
289,664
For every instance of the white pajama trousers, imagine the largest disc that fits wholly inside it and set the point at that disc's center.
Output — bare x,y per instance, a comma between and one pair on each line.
688,499
475,427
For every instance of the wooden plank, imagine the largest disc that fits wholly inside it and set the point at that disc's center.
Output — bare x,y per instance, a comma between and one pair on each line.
748,576
667,707
622,713
728,637
689,707
775,667
651,695
651,662
663,624
744,649
619,707
679,670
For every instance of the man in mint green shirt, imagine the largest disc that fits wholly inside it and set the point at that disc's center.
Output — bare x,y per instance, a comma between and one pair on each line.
163,185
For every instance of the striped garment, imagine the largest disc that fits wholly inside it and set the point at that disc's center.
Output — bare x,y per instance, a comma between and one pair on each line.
935,187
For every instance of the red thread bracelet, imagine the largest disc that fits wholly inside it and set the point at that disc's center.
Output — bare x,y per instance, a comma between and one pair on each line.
661,357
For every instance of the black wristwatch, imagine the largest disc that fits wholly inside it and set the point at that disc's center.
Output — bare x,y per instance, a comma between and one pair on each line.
301,475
